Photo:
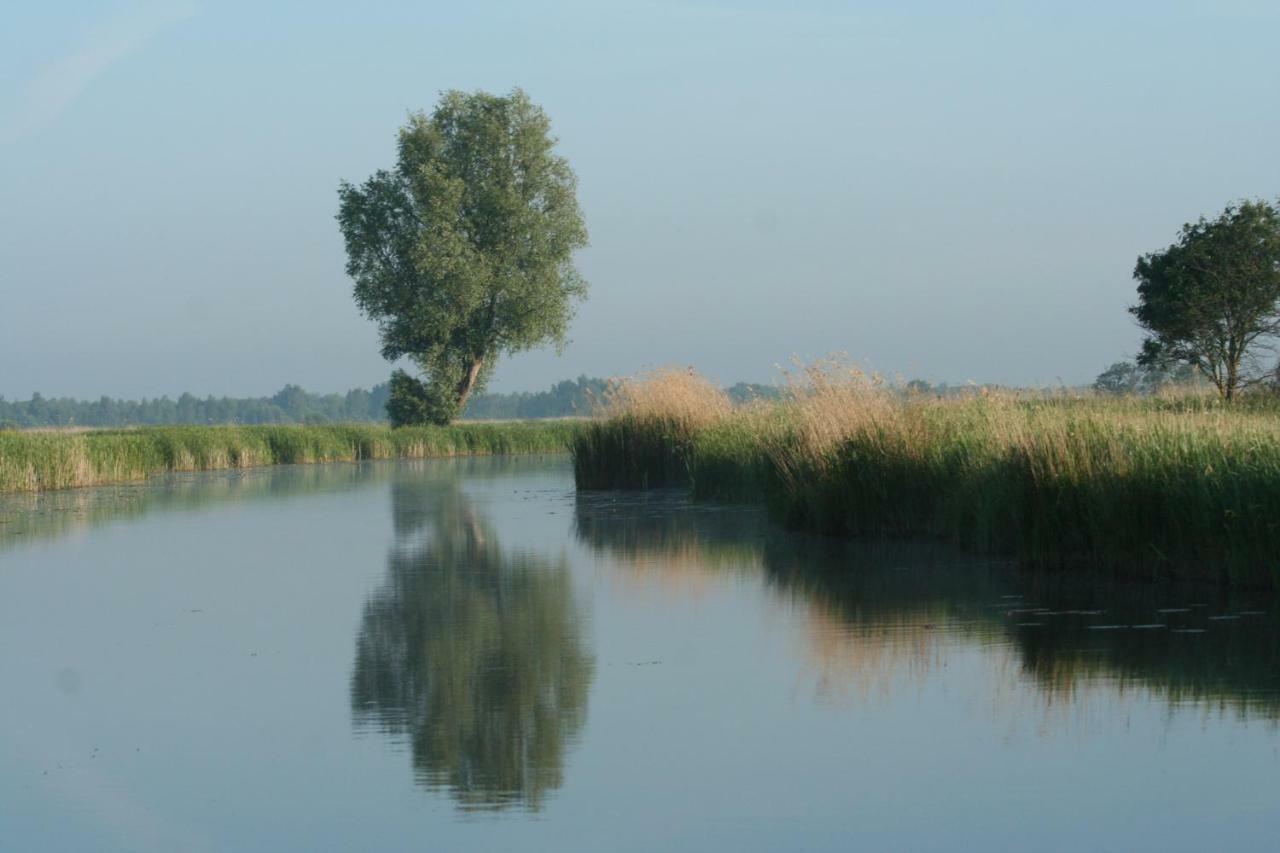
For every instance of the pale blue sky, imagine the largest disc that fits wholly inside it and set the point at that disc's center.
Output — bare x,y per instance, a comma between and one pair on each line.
953,194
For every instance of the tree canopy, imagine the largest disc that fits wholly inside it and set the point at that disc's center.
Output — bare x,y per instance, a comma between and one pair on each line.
464,251
1210,299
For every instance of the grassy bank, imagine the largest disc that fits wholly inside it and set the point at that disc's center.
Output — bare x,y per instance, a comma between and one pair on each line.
1182,487
38,461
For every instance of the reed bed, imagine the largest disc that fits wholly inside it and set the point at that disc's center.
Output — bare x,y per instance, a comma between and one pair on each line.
1168,486
39,461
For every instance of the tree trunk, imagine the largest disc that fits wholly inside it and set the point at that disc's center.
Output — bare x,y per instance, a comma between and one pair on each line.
469,382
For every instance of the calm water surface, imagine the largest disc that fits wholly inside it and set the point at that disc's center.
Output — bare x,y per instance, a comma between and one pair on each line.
465,655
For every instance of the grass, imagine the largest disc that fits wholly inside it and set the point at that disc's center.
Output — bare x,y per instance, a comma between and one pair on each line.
39,461
1172,486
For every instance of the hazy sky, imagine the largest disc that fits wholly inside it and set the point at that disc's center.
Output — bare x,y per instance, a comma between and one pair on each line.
948,194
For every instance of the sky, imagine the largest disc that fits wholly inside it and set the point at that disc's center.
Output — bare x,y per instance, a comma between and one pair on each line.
944,193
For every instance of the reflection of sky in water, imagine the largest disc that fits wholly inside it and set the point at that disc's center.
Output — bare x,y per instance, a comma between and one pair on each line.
345,657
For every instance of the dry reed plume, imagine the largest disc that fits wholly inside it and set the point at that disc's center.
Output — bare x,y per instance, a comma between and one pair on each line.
673,395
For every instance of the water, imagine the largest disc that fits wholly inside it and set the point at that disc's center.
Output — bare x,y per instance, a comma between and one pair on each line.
465,655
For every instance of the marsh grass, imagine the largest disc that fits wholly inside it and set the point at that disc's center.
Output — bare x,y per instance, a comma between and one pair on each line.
643,428
1173,485
38,461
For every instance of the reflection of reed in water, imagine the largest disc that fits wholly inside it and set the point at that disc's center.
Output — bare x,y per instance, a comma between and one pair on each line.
862,626
27,517
874,612
880,614
1191,644
668,542
471,654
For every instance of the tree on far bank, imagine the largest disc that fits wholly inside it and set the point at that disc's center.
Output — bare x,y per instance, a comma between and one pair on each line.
464,251
1126,377
1210,299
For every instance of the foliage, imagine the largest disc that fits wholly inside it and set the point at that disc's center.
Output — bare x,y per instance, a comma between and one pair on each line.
464,251
1210,299
1183,486
750,392
1127,377
415,402
568,398
289,405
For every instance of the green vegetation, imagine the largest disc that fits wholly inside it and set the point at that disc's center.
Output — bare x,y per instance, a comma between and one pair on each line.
291,404
36,461
1162,486
464,251
1129,378
1212,299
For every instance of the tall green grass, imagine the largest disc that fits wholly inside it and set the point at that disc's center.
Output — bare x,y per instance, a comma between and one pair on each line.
37,461
1155,487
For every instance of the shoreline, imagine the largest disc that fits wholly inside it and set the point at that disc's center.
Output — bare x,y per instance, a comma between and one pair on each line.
1156,489
47,461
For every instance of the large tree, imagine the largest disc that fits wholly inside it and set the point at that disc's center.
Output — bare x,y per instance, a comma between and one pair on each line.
1210,299
464,251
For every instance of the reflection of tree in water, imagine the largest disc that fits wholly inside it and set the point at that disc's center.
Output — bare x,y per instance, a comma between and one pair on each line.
472,654
875,609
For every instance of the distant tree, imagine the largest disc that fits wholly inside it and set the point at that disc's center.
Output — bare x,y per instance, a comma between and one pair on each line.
464,250
1126,377
1120,378
292,400
291,404
1210,299
750,392
919,386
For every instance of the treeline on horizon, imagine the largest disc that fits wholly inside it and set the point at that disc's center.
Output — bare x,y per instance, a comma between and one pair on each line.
568,398
294,405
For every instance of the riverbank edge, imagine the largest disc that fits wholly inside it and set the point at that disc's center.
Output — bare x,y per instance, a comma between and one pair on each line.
1009,505
47,461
